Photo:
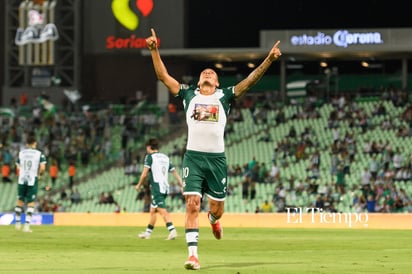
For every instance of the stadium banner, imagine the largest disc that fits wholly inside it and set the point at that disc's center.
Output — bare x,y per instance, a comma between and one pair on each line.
37,219
295,219
122,26
339,40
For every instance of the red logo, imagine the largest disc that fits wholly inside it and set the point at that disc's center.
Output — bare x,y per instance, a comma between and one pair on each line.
130,20
126,16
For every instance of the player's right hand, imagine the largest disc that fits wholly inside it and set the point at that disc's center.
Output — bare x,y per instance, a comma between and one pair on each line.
151,41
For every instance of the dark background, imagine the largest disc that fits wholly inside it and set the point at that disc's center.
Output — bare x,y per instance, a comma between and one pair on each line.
231,23
226,24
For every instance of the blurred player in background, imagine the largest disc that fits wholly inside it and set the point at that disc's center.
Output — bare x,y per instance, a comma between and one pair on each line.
157,167
31,164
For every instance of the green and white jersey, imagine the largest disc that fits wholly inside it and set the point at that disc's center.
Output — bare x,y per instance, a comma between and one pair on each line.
160,166
29,161
206,117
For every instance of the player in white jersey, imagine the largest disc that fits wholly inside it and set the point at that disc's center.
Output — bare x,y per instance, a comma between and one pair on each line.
157,167
31,164
204,164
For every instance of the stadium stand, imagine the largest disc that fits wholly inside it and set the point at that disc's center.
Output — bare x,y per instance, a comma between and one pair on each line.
245,142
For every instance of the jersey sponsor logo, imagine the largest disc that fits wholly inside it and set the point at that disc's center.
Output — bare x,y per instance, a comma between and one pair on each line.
206,112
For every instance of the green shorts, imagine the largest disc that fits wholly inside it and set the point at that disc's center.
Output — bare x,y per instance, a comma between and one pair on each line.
158,198
27,193
205,173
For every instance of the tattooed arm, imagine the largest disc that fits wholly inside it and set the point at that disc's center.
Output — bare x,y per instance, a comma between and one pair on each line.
257,73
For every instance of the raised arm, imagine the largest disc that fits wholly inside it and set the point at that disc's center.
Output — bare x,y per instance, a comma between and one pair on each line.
161,72
258,72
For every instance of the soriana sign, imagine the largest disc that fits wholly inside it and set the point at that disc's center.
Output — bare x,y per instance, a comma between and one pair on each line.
126,16
129,19
123,25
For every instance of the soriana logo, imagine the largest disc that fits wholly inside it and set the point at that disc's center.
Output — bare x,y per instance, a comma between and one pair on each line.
129,19
126,16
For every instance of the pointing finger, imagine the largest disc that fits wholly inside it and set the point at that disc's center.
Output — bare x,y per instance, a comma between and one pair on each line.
277,44
153,32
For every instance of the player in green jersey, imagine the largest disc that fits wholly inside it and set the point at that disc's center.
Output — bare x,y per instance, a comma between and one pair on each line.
31,164
207,107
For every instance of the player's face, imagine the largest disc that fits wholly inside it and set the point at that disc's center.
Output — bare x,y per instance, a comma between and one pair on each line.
208,77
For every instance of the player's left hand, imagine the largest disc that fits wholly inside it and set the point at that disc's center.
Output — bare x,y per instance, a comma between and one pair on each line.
275,52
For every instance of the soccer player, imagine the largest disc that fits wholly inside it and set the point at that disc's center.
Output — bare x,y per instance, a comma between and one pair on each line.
157,166
204,164
31,164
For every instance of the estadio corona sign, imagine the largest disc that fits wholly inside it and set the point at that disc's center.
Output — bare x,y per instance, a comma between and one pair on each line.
340,38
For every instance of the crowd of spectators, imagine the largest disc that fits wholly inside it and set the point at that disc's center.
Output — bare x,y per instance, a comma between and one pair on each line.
75,141
85,137
376,189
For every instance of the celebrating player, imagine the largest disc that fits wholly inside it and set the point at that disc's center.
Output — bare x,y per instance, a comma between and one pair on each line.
204,164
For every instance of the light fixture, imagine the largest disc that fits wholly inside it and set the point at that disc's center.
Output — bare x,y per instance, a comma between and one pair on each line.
219,65
251,65
323,64
364,64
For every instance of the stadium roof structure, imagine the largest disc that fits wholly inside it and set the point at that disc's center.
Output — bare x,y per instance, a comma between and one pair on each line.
342,44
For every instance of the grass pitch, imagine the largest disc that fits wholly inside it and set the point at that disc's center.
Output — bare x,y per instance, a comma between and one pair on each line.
60,249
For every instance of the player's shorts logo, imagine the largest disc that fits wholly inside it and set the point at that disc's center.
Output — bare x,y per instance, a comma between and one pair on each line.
126,16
